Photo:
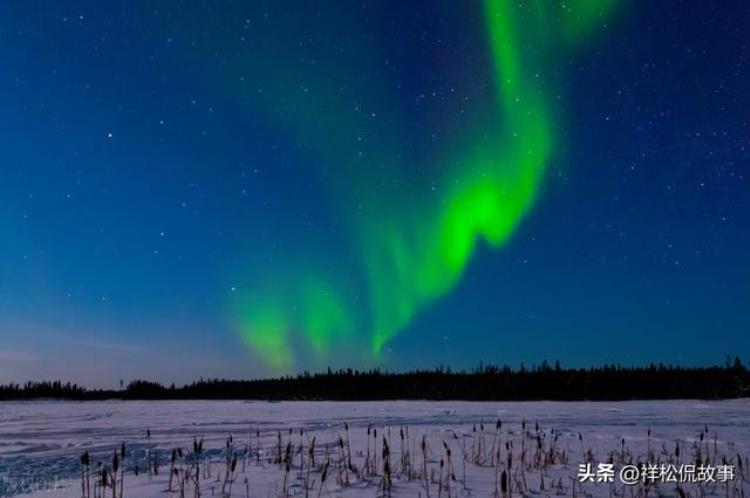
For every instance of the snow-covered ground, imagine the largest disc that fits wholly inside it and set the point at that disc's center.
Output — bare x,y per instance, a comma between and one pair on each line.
538,447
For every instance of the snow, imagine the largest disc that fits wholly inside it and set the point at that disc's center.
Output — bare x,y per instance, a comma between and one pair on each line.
41,443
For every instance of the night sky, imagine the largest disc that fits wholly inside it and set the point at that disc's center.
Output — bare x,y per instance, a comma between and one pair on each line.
240,189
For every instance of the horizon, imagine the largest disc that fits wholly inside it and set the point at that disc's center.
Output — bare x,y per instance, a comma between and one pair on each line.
247,191
124,384
483,383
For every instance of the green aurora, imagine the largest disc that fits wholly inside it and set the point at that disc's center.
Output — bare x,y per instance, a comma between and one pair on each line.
413,248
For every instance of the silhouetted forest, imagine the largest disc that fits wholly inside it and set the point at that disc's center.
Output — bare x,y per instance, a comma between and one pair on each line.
485,383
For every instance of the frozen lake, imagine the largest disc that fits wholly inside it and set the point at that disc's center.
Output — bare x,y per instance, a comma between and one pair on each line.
41,442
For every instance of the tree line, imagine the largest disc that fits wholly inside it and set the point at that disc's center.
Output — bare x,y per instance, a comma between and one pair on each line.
484,383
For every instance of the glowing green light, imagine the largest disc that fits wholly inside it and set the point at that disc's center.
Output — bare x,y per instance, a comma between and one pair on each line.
325,319
414,249
265,330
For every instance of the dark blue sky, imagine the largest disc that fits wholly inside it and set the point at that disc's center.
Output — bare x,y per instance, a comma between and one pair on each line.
157,164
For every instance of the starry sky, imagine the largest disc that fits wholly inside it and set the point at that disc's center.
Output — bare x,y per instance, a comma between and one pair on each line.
243,189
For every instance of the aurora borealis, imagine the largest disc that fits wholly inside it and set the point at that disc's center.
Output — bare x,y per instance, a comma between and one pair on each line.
415,250
237,189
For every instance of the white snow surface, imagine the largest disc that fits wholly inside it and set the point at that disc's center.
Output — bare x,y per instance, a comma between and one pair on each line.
41,443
